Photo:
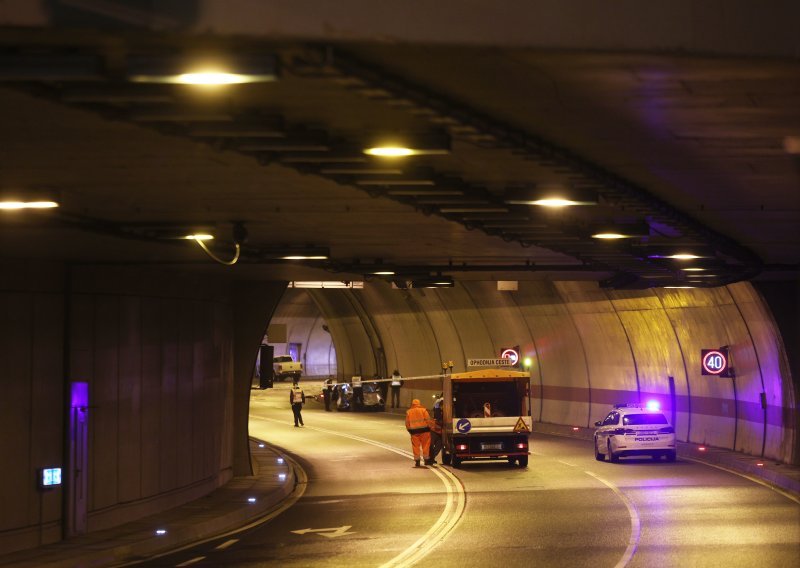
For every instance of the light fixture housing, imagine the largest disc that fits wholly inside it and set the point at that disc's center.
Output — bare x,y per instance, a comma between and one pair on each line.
550,195
407,144
619,231
202,71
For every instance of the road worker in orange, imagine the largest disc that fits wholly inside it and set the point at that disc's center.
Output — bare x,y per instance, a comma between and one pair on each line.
418,425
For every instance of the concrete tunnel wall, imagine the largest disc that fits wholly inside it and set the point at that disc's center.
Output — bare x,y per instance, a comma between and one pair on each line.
590,348
158,351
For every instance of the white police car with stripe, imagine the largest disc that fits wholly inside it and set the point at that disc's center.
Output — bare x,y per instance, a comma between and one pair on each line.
634,430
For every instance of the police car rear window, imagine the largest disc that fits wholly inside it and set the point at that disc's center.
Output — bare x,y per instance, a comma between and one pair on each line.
639,419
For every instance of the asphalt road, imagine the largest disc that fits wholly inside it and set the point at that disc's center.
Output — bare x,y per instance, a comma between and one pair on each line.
365,505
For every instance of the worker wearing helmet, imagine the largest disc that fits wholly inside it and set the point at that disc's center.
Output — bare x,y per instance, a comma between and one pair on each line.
418,425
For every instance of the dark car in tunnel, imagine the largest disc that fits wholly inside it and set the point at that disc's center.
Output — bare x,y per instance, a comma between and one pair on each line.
366,397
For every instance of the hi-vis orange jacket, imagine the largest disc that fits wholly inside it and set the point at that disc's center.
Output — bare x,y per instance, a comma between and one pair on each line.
417,418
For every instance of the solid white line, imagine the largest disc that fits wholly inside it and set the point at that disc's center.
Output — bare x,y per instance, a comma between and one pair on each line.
636,529
190,562
566,463
456,501
226,544
748,477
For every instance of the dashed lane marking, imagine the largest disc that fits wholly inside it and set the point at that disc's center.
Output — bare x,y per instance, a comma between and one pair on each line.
226,544
190,562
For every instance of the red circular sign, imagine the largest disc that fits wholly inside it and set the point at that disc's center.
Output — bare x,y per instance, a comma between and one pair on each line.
510,354
715,362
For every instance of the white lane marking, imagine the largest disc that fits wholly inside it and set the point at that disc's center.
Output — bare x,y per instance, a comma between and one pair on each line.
190,562
226,544
447,522
331,532
567,463
636,527
748,477
299,489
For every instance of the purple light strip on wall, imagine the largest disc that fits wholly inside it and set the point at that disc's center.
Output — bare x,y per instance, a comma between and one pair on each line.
79,395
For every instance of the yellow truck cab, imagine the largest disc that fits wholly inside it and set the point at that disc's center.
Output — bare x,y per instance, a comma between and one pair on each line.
486,416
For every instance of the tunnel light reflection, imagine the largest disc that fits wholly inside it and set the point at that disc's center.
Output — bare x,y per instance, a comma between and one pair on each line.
261,445
282,476
280,460
251,499
161,532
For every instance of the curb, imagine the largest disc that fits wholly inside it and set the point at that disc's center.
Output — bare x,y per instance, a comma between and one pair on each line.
223,510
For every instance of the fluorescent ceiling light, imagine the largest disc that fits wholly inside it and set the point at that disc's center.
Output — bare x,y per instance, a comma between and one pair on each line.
12,205
199,237
390,152
384,272
550,195
335,284
610,236
183,70
304,257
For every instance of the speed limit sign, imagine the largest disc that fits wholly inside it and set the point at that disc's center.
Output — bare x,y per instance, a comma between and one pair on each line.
715,362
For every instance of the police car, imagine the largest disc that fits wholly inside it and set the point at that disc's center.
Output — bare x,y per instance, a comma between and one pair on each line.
634,430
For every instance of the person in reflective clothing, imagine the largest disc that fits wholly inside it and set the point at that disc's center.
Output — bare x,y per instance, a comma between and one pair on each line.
297,398
436,432
418,425
397,382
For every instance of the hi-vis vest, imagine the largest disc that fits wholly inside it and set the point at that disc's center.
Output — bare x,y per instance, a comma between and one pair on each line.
297,396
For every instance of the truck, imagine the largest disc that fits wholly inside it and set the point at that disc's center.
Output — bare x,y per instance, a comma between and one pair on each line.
284,366
486,415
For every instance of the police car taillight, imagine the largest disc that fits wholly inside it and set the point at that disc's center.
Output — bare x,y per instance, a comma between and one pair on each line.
461,447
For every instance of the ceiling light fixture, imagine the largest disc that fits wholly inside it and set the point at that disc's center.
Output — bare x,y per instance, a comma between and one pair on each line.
181,70
550,195
405,145
15,205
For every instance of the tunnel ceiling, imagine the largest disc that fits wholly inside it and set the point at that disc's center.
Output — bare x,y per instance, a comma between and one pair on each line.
688,153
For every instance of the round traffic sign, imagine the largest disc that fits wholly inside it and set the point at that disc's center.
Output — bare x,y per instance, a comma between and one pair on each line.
715,362
510,354
463,426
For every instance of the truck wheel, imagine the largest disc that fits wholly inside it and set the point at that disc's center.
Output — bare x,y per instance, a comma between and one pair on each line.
612,457
446,457
597,455
523,461
456,461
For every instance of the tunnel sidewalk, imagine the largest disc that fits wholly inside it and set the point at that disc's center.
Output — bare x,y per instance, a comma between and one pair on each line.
237,503
780,475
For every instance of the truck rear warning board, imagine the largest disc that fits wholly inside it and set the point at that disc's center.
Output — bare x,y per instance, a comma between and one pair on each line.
521,426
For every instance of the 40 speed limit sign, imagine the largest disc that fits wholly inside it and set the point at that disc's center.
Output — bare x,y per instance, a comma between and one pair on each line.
715,362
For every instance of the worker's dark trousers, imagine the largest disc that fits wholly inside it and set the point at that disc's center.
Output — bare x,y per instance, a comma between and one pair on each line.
298,418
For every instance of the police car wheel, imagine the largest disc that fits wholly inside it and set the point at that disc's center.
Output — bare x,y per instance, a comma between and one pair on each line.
671,456
613,458
456,461
597,455
523,461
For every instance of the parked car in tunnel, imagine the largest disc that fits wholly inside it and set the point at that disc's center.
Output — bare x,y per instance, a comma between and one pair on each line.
366,397
634,430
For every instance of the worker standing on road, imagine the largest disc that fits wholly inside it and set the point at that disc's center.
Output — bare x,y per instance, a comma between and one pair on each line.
297,398
397,382
418,425
327,391
436,432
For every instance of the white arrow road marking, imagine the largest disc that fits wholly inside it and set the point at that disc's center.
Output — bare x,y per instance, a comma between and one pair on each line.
331,532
